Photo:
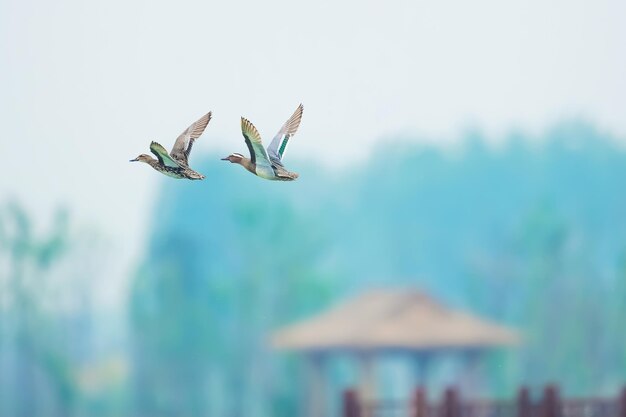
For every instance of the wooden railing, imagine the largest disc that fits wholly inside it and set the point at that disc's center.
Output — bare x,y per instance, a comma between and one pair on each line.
550,405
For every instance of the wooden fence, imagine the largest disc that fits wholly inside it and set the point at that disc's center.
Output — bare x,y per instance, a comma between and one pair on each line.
451,405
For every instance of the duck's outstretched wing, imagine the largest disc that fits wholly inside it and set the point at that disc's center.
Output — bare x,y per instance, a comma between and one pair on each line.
184,142
277,147
258,155
164,158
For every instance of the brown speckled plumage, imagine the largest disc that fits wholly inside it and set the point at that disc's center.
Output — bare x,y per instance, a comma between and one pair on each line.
175,164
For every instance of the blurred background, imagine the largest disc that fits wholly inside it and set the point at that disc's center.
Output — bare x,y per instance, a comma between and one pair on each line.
475,151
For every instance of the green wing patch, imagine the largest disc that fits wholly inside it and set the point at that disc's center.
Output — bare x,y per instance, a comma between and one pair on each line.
164,157
283,145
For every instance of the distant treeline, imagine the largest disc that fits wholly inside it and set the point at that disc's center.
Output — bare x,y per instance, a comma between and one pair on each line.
531,233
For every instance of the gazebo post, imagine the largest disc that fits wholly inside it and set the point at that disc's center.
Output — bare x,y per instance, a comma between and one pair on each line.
316,401
471,373
367,386
421,367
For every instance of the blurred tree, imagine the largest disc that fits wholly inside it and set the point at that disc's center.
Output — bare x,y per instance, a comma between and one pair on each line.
24,330
211,289
618,318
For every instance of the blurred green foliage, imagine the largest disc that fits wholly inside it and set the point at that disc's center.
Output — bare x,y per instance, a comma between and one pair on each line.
27,344
531,233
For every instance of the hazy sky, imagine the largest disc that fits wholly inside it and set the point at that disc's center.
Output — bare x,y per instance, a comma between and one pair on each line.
85,86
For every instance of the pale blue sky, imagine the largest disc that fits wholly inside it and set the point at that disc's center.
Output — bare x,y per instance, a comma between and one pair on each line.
84,86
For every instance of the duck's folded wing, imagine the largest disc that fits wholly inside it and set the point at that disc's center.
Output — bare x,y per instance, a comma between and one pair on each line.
184,142
258,155
164,158
277,147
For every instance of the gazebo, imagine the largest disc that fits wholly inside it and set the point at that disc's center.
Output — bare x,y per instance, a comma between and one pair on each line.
383,322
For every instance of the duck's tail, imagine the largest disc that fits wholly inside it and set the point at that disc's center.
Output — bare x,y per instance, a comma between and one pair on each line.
196,176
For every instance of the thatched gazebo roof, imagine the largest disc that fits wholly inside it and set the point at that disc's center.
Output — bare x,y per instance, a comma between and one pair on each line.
387,320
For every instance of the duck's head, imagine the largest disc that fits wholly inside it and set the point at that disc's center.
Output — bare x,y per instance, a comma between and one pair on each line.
142,158
234,158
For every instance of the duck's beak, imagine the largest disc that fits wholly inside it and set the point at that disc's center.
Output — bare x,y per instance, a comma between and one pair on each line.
224,159
134,160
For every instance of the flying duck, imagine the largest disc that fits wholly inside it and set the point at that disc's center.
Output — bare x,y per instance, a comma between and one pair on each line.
175,163
267,163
